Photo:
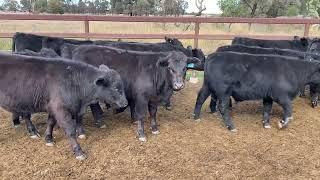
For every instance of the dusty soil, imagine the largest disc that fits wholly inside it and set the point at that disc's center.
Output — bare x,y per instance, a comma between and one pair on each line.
184,149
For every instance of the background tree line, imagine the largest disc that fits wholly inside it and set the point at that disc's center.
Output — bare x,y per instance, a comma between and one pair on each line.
130,7
269,8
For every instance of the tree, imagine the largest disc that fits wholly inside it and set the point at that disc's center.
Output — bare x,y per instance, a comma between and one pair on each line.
55,7
26,5
230,8
313,7
11,5
40,6
200,6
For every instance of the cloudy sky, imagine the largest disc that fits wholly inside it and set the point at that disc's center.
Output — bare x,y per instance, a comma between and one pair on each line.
211,5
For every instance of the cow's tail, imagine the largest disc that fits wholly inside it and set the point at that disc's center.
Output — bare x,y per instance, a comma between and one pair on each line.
13,48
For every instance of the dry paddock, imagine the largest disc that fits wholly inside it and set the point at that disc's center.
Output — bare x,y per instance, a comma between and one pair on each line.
183,150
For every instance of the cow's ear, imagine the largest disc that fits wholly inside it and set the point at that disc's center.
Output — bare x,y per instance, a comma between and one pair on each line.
193,60
163,62
102,82
189,47
104,67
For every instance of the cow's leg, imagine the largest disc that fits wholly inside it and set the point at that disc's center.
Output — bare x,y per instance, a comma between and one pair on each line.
34,134
287,112
80,129
65,121
224,110
314,95
202,96
132,112
48,133
213,103
302,91
167,104
16,119
141,107
97,114
267,106
153,118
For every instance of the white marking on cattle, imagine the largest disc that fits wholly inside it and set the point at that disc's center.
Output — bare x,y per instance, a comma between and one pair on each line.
267,126
50,144
35,137
155,132
143,139
81,157
103,127
234,130
82,136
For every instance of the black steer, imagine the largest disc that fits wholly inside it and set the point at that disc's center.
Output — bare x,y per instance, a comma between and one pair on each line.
253,77
148,77
276,51
61,88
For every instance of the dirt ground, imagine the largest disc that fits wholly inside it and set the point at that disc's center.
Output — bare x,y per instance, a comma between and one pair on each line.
184,149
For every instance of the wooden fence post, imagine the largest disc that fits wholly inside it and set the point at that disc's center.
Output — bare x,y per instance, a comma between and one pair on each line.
86,29
196,35
306,30
194,78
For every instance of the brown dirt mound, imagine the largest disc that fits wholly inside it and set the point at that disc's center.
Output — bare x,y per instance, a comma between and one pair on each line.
184,148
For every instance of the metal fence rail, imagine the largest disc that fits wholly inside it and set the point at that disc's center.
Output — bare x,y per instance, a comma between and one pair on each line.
160,19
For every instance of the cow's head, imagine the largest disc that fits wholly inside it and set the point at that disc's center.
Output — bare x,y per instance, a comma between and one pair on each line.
313,51
176,66
198,54
52,43
50,53
304,42
110,87
173,41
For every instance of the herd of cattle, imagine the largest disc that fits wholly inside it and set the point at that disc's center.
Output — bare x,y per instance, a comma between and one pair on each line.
64,76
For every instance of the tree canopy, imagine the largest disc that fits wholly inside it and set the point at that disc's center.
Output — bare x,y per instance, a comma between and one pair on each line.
269,8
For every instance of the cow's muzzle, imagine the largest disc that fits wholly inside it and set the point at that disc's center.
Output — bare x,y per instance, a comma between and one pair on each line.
178,86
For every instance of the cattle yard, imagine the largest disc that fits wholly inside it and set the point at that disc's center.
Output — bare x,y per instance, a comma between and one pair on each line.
184,149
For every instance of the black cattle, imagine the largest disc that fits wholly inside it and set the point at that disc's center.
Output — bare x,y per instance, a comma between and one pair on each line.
276,51
148,77
314,48
298,44
67,49
61,88
248,77
22,41
160,47
44,52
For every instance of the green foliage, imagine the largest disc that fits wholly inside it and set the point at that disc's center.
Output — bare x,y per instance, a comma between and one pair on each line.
55,6
229,7
11,5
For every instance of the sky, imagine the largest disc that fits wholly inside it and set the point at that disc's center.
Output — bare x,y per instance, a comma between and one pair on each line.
211,5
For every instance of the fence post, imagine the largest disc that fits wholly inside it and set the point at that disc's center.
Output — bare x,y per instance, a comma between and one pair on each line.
194,78
306,30
196,35
86,29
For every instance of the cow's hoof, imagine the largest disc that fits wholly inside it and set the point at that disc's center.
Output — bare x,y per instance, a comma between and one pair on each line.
156,132
169,108
103,127
197,120
81,157
35,136
50,144
314,104
282,125
16,126
234,130
82,136
267,126
143,139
